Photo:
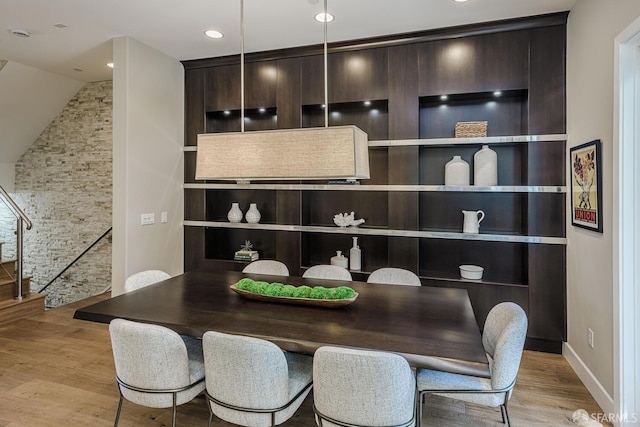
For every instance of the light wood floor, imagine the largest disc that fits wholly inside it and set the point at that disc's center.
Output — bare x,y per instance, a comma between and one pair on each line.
57,371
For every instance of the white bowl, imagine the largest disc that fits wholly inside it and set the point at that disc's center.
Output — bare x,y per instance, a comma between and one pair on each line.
473,272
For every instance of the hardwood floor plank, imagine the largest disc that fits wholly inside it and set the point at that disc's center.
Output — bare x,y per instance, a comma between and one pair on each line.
57,371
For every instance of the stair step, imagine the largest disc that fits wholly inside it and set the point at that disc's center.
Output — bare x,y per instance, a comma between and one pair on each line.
9,290
7,268
28,306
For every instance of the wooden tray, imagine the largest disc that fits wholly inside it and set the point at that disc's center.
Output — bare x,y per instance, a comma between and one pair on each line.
328,303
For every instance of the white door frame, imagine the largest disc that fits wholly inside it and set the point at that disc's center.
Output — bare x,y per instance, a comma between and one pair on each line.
626,248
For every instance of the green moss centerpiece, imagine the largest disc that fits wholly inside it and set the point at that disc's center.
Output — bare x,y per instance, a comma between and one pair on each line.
280,292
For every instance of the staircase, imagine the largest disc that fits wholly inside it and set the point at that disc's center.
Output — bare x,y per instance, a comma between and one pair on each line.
10,307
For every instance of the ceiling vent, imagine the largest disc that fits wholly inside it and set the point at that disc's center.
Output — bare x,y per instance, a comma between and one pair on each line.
20,33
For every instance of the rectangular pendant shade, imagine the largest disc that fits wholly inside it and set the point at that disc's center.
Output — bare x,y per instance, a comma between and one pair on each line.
337,152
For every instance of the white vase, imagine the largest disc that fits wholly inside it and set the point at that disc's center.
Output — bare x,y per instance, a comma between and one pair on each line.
234,214
485,167
253,214
355,255
340,260
456,172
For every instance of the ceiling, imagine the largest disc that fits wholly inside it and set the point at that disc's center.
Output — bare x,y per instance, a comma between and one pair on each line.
70,40
176,27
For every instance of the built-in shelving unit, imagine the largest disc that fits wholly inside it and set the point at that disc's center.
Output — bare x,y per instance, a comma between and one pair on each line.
413,221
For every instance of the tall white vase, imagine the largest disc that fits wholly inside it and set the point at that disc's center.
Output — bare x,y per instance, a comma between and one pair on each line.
253,214
355,256
456,172
485,167
234,214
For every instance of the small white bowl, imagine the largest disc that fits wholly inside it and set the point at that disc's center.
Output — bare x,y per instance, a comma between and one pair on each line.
473,272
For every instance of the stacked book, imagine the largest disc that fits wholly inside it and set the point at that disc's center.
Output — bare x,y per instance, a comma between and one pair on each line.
244,255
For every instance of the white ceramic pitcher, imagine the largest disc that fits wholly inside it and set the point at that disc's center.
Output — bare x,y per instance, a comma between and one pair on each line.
472,220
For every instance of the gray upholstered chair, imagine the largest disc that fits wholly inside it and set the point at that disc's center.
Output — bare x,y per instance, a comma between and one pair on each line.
503,339
354,387
252,382
267,266
154,366
331,272
144,278
394,276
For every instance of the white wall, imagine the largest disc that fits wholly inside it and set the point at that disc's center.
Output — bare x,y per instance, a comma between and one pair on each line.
148,137
592,28
30,99
7,176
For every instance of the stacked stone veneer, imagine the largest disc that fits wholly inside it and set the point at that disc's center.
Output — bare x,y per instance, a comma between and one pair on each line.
64,185
7,232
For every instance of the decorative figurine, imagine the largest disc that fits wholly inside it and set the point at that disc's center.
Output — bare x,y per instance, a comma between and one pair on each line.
347,220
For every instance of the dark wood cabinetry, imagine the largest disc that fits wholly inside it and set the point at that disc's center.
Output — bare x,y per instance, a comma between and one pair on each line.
412,220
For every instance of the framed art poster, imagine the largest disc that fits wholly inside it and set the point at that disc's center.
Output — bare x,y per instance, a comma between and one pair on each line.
586,186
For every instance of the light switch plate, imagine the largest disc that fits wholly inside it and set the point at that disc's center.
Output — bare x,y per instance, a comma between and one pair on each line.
163,217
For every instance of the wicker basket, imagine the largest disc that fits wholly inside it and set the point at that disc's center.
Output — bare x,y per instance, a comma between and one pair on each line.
471,129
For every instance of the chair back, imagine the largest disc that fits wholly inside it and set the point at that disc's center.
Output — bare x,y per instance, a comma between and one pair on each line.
144,278
331,272
503,339
148,357
267,266
363,387
245,372
394,276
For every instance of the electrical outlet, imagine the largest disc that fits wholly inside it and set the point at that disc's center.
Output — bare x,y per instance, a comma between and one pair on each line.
590,337
147,219
163,217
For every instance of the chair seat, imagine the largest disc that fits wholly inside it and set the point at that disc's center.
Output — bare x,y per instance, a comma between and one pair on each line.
196,358
436,380
300,372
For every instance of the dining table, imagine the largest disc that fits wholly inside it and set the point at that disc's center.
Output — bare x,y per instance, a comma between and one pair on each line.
431,327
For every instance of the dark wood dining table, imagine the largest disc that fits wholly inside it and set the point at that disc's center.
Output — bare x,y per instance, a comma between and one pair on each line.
431,327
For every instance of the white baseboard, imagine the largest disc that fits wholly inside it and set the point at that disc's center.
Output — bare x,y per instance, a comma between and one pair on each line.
588,379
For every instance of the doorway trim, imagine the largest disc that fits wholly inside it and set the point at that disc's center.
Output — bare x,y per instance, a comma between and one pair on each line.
626,248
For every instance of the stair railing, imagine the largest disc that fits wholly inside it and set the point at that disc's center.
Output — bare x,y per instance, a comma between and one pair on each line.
22,220
57,276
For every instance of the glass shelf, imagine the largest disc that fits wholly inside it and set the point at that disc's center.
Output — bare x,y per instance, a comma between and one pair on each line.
470,141
383,232
390,188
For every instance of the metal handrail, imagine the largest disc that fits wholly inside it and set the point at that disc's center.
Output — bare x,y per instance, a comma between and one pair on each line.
15,209
102,236
22,218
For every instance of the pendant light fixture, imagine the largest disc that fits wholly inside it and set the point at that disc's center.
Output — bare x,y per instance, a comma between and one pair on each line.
336,152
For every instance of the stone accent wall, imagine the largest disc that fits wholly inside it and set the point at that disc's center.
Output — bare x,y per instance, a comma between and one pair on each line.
64,185
7,232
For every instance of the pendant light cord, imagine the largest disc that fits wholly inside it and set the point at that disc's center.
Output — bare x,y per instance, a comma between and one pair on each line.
326,85
242,65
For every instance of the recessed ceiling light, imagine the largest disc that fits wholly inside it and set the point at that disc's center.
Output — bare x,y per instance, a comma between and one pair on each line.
324,17
226,112
77,70
109,64
443,97
262,109
60,25
214,34
497,93
367,103
460,1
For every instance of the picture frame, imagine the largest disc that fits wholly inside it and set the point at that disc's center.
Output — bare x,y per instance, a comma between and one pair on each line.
585,163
